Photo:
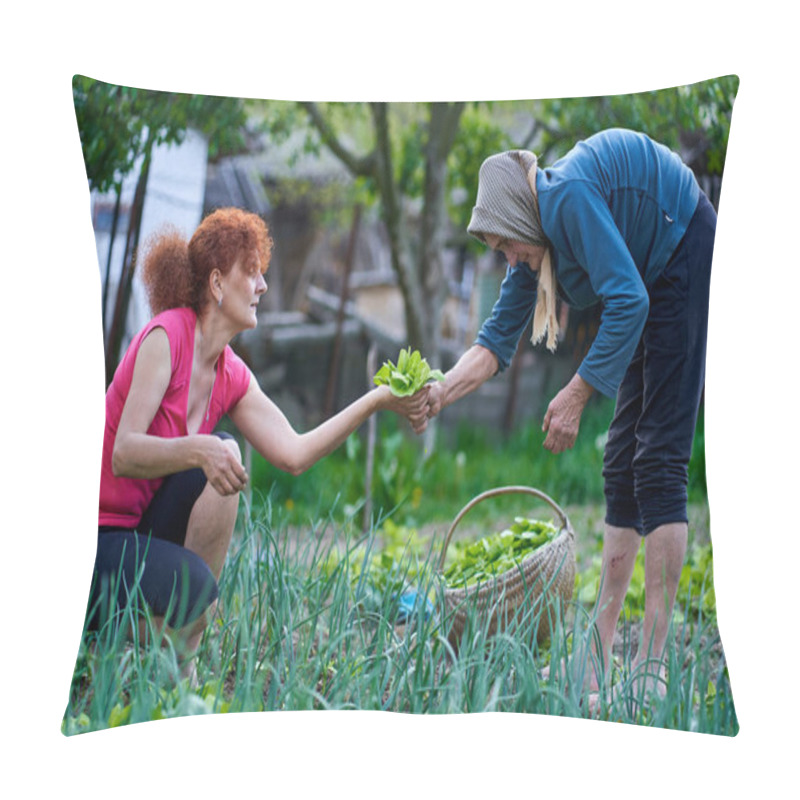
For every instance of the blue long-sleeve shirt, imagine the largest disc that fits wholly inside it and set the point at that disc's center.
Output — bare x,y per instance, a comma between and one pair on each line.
613,209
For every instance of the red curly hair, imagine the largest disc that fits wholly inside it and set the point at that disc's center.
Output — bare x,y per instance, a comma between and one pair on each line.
175,272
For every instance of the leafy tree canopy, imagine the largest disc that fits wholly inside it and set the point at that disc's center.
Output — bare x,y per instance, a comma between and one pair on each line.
697,116
347,131
117,124
694,118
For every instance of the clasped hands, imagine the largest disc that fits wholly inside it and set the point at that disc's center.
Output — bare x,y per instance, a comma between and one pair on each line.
415,408
430,405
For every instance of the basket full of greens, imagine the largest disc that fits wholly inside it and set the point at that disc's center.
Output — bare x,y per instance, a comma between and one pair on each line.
523,571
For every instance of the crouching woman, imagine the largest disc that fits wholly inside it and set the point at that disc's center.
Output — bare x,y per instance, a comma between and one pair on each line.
170,485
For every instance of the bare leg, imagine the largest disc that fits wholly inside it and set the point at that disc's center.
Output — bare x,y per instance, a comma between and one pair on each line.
208,534
620,548
665,550
211,524
185,640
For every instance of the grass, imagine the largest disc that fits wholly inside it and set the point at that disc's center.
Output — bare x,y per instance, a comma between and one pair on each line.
309,622
419,488
308,610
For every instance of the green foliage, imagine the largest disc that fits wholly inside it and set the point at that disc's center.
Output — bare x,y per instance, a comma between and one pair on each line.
386,564
696,584
282,120
471,563
698,490
117,124
700,111
432,486
408,153
410,374
327,203
479,135
308,622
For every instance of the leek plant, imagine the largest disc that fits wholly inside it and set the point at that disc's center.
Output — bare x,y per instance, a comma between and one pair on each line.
315,620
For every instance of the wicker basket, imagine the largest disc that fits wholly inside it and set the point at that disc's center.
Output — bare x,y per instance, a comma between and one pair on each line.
546,575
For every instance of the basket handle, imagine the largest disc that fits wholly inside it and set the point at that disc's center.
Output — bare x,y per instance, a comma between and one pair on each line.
500,490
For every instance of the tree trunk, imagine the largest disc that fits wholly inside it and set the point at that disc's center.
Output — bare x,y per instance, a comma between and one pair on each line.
420,278
333,371
393,219
115,335
112,236
421,281
442,129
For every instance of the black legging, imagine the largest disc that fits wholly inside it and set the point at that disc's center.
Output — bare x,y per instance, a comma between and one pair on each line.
151,562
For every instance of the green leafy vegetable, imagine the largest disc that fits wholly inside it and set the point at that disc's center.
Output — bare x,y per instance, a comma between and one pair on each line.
409,375
495,554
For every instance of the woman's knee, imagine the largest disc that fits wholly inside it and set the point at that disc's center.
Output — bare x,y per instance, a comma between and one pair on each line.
662,496
172,581
233,446
230,442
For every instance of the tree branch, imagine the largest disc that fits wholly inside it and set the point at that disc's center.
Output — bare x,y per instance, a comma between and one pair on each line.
393,219
359,166
445,118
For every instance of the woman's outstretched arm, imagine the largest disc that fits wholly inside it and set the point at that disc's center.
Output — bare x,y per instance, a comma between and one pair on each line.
264,425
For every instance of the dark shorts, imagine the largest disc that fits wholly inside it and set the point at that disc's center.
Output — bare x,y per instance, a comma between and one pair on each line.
646,463
150,565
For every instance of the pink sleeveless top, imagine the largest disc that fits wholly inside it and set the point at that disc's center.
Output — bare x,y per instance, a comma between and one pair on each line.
124,500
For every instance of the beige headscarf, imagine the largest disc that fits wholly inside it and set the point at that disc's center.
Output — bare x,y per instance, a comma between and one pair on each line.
508,206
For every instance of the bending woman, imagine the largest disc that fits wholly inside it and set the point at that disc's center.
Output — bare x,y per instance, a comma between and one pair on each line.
169,486
620,220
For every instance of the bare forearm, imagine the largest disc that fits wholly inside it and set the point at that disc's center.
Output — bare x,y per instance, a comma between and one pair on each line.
139,455
326,437
473,369
265,426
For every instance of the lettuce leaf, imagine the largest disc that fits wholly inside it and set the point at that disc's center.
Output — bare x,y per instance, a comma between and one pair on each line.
408,376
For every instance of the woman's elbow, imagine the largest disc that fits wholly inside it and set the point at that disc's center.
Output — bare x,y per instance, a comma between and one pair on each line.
644,305
295,469
294,455
640,305
289,452
119,464
122,461
292,464
302,462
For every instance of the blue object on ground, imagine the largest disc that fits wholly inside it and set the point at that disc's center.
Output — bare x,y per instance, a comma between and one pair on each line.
411,602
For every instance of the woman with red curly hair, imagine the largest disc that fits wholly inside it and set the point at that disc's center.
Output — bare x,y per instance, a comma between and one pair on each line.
169,487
